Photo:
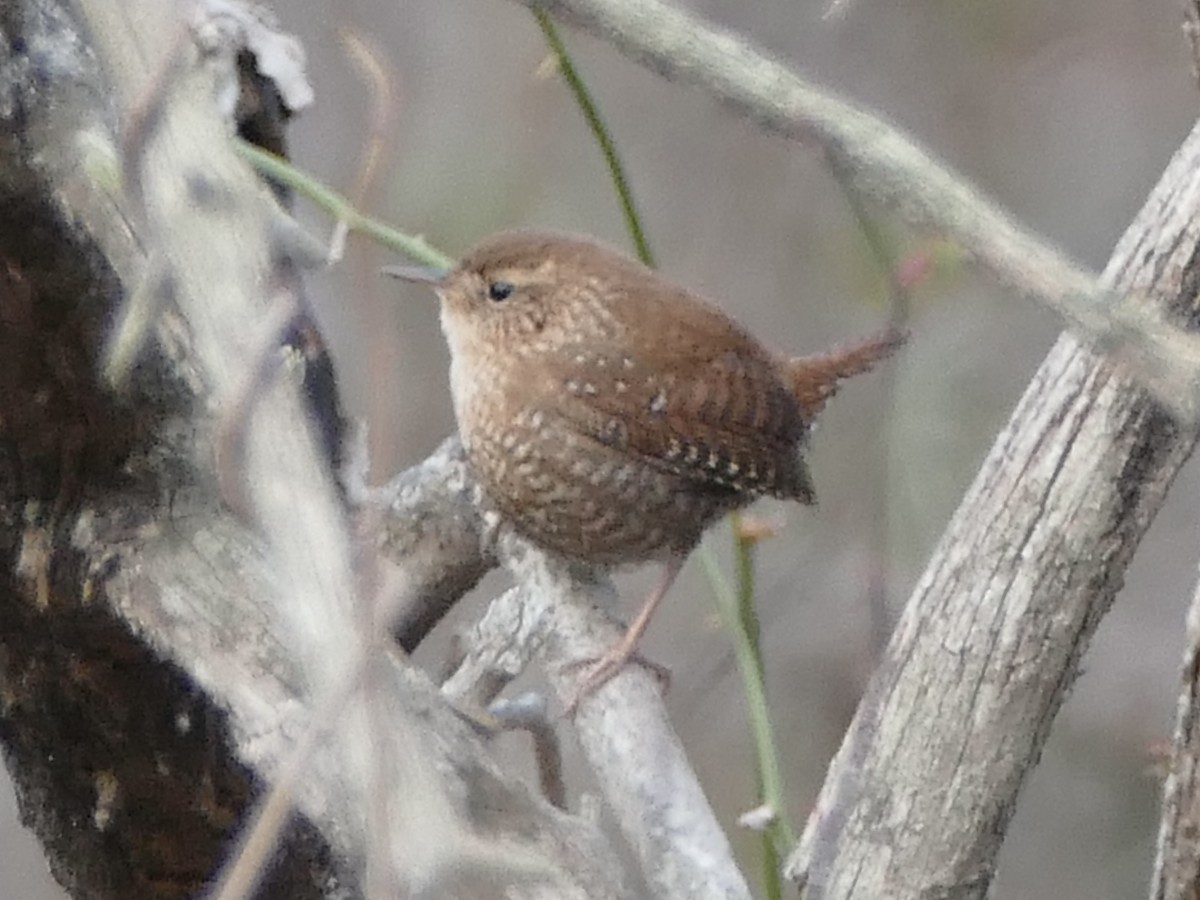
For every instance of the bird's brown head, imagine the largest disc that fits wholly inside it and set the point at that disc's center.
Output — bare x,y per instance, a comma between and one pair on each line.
519,287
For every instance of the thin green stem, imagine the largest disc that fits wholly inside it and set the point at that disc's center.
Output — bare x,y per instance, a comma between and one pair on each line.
743,557
749,663
747,622
413,246
599,130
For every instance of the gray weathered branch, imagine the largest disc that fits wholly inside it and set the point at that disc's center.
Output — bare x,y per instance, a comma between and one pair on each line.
554,619
918,798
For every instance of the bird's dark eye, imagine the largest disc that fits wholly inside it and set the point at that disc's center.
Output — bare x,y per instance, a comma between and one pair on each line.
500,290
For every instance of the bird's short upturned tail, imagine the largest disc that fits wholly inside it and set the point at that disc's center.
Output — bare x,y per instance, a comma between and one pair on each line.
814,379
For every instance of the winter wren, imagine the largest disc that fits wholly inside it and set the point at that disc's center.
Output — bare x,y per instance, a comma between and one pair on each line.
611,415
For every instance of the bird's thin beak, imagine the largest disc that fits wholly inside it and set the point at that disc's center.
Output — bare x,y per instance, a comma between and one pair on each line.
418,274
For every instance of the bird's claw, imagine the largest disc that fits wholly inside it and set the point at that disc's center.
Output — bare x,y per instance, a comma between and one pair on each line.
604,668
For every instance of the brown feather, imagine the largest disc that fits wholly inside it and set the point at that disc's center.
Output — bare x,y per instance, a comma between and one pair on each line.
814,379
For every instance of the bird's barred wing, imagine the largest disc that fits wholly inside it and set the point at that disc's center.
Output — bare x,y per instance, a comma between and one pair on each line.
726,420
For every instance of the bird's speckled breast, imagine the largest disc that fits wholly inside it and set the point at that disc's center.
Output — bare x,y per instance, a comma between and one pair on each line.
573,495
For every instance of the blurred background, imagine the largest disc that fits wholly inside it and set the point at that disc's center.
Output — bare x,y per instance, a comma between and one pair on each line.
1064,110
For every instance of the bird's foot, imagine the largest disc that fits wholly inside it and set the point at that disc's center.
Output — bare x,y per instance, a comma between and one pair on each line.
603,669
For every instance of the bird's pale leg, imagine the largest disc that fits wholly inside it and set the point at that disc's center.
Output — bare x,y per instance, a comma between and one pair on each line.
615,658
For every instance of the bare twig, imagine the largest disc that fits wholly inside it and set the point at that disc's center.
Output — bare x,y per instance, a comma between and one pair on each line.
528,713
